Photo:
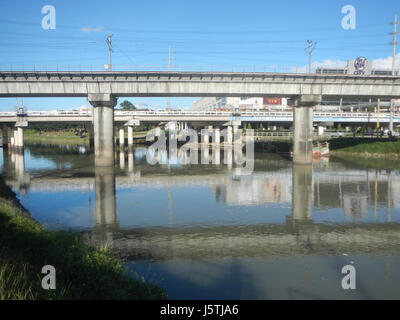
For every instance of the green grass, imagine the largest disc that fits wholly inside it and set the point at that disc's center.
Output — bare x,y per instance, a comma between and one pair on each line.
366,146
82,272
55,137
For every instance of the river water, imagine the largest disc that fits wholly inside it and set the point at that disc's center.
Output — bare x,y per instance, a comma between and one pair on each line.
207,232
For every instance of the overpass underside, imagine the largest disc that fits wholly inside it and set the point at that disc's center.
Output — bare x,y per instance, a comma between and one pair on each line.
103,88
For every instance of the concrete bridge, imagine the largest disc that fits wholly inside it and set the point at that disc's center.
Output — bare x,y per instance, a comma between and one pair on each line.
195,118
103,88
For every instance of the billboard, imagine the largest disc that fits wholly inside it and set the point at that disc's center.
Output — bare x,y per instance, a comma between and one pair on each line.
272,101
360,66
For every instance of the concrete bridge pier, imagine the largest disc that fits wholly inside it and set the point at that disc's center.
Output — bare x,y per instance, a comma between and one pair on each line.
20,139
20,168
216,154
306,231
4,135
217,136
105,205
130,160
121,138
15,139
9,136
121,159
103,123
303,127
236,135
302,198
229,136
205,133
205,154
228,156
90,131
130,136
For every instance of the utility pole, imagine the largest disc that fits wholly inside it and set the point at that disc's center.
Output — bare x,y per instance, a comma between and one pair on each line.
394,43
395,23
311,47
109,44
169,68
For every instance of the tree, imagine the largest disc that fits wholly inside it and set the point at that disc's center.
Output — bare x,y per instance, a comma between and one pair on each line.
127,105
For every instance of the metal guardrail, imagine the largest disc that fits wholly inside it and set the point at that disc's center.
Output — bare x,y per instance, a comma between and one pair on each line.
351,115
175,68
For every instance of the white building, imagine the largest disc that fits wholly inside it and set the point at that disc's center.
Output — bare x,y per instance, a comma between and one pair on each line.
240,103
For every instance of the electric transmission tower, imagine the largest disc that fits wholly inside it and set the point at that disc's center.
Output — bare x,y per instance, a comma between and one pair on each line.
109,44
169,68
394,44
310,48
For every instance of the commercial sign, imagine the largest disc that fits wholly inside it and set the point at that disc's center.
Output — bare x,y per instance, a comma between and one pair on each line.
272,101
359,66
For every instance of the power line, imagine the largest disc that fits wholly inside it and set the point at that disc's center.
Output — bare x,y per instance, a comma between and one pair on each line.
311,48
231,31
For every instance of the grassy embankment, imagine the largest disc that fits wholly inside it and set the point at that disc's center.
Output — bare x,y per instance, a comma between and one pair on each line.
63,137
366,148
82,272
55,137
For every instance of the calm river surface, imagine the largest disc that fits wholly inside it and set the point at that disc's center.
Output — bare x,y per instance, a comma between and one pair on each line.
206,232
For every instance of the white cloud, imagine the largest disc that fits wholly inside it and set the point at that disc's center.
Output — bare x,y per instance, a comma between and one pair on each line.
324,64
88,29
386,63
380,63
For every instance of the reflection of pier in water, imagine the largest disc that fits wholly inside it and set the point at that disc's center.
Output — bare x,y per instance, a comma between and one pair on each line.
299,186
353,191
300,235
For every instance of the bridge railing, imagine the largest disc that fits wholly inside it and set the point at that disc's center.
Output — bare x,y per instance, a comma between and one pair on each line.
155,67
284,114
249,68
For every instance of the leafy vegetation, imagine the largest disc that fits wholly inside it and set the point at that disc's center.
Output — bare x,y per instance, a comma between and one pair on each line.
366,146
82,272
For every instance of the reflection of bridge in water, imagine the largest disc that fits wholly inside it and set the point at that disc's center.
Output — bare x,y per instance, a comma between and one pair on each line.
352,191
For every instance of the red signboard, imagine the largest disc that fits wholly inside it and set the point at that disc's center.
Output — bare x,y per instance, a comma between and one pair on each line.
273,101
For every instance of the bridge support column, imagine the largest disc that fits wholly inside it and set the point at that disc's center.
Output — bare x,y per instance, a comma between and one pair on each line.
130,136
15,136
236,135
303,128
121,138
121,159
302,189
205,133
91,136
9,135
103,122
217,136
130,160
105,206
5,137
229,135
20,139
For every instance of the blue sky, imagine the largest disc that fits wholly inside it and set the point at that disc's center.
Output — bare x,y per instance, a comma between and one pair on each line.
214,34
